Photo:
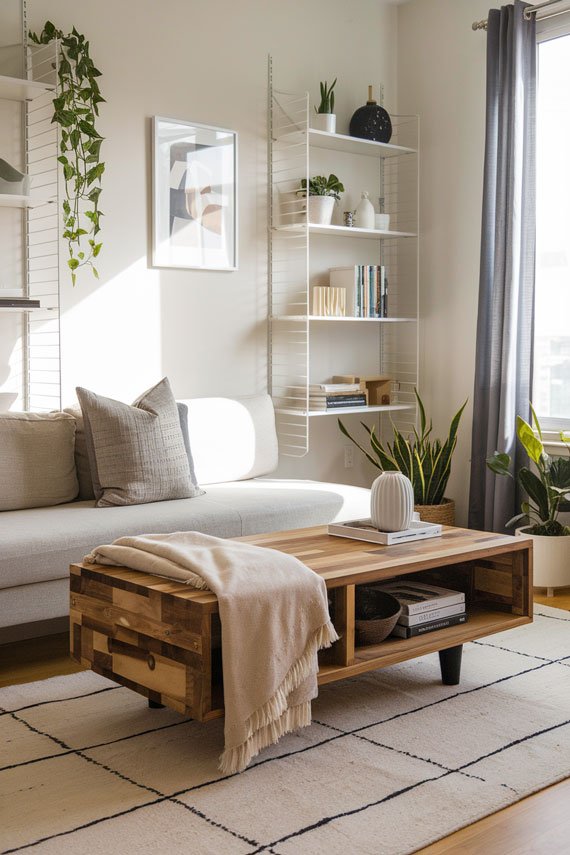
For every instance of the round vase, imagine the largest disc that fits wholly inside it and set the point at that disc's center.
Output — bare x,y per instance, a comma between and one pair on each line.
392,502
321,210
371,122
365,212
324,122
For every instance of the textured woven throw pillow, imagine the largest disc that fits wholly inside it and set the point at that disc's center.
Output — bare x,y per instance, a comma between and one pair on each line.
37,468
83,464
136,453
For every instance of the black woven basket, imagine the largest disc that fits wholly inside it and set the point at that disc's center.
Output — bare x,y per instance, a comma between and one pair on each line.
376,615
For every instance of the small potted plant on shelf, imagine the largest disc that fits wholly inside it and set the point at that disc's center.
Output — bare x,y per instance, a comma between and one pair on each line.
323,193
547,489
325,119
425,461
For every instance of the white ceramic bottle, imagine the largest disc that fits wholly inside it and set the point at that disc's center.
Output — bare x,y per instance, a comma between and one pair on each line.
391,502
364,212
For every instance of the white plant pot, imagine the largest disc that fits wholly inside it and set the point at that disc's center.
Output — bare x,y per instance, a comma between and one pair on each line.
551,559
324,122
321,210
391,502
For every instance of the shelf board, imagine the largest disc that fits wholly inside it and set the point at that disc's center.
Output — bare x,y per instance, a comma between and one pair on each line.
344,231
343,411
12,309
481,621
17,89
342,318
356,145
11,200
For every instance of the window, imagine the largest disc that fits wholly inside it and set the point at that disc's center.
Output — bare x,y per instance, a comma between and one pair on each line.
551,392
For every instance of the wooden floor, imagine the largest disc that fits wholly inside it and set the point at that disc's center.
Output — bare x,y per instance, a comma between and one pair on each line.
539,824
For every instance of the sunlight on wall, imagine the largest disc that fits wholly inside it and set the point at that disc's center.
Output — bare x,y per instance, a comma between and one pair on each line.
111,335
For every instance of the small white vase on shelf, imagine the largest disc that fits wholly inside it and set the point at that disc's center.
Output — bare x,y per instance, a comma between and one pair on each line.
365,212
324,122
392,502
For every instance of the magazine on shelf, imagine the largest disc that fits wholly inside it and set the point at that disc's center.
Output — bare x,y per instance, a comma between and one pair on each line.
364,530
418,597
400,631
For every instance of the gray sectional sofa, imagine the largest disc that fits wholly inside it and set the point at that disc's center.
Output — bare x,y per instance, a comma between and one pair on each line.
234,446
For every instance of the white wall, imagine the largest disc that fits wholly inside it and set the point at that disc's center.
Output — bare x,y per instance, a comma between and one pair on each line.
441,76
207,62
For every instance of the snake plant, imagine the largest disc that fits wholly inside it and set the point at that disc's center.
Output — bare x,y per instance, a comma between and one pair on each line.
327,98
425,461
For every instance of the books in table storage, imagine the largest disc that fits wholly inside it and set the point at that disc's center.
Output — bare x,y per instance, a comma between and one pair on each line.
364,530
418,597
401,631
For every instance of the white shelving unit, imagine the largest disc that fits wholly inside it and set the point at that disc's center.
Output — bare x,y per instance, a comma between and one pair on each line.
293,352
39,374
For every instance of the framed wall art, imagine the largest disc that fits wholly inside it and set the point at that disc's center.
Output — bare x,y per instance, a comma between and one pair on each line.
194,196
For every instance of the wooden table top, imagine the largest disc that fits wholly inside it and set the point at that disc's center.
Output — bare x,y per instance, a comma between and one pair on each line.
338,560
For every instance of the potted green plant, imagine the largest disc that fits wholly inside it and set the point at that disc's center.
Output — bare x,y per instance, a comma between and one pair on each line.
547,487
323,193
325,119
424,460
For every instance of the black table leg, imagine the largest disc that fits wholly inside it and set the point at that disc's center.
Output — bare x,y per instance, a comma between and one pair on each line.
450,663
155,706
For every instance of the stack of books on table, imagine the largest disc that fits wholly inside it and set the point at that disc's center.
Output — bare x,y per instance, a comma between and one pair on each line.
366,289
425,608
331,396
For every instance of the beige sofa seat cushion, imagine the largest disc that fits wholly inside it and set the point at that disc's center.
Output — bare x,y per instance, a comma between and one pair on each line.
136,453
37,466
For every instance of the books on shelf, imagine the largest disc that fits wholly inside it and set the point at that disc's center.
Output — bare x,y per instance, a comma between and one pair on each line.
417,597
425,608
400,631
330,396
366,289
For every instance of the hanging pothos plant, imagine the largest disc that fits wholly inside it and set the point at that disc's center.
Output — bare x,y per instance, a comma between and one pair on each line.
76,106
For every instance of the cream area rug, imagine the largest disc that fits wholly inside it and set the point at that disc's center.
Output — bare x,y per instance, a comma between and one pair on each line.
392,761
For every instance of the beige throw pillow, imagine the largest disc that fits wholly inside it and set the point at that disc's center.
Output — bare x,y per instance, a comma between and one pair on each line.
136,453
37,466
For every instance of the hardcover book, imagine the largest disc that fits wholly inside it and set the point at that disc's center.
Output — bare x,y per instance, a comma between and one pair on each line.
417,597
411,631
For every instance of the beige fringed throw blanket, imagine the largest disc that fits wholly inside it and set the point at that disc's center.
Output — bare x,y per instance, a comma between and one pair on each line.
274,617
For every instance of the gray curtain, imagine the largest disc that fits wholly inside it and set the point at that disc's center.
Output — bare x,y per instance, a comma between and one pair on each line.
503,369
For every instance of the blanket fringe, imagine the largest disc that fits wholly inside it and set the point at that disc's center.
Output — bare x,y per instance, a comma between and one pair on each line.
274,719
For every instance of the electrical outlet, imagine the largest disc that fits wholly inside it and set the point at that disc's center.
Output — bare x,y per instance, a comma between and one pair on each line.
348,456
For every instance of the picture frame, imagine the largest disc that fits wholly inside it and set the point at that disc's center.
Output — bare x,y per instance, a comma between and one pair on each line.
194,198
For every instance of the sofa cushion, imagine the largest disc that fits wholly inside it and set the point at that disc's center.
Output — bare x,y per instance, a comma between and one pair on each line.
38,545
232,439
37,466
83,467
136,453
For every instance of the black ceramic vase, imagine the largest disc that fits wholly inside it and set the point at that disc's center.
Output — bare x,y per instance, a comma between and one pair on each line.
371,122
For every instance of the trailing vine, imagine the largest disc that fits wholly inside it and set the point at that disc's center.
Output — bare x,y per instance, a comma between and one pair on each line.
76,107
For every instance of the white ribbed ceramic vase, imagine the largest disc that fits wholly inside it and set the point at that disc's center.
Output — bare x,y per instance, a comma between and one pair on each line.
392,502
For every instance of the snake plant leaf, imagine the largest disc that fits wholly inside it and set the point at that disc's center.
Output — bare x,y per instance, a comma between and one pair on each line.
422,412
357,444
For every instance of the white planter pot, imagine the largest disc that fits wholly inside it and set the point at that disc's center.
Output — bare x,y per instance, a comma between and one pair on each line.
391,502
551,560
324,122
321,210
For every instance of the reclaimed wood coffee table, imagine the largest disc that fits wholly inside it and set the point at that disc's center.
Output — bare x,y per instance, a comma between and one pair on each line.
163,639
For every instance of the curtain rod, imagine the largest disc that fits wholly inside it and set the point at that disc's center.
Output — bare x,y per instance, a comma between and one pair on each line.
531,10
